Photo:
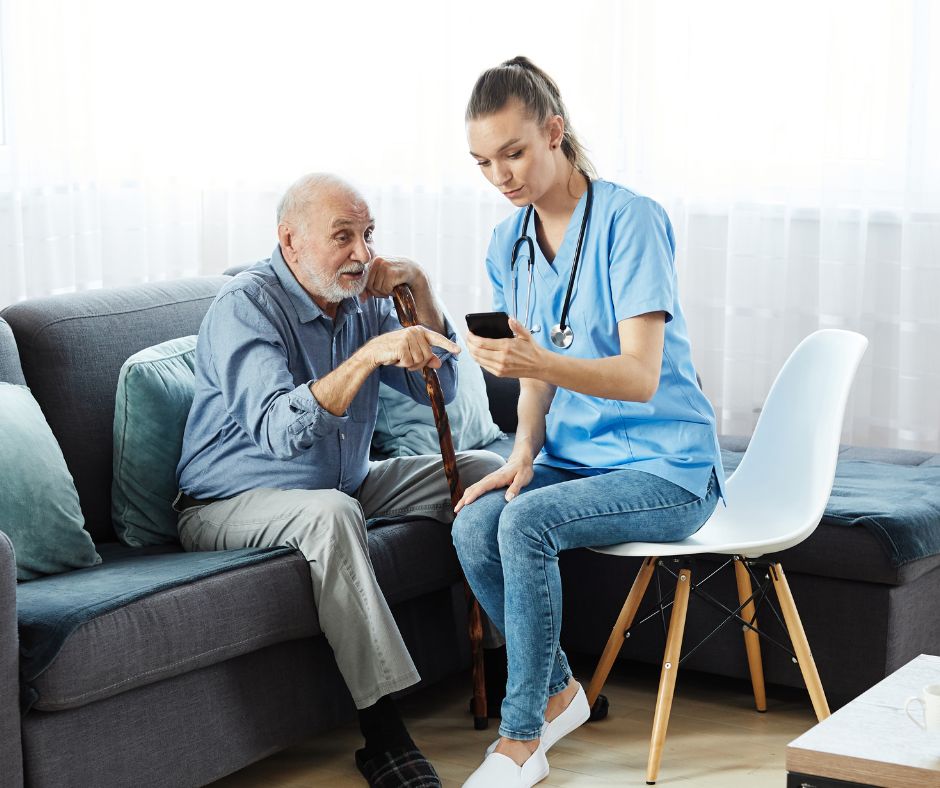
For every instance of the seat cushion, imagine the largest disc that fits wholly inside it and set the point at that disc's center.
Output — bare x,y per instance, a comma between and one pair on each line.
901,532
412,557
94,633
833,550
233,612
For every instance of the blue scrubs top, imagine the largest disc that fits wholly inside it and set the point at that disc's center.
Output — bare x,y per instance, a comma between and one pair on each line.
627,269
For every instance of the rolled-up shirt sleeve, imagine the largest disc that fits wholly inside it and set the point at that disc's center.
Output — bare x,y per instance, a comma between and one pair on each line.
411,384
249,357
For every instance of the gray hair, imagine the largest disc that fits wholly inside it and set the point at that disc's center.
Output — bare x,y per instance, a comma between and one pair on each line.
294,205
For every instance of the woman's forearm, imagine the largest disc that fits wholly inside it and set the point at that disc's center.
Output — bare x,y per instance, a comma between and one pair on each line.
616,377
535,398
631,376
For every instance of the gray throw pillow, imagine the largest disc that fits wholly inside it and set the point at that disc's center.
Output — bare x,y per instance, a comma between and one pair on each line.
39,508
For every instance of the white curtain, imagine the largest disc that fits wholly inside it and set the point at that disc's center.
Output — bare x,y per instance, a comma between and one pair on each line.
794,144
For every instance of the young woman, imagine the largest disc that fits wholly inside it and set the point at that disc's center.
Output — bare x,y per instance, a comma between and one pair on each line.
616,442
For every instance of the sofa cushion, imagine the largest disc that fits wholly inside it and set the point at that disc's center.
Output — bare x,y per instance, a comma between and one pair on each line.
850,554
404,428
835,549
193,624
154,394
72,347
39,507
412,557
146,614
894,494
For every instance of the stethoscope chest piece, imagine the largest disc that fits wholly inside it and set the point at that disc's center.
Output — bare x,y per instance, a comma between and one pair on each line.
562,337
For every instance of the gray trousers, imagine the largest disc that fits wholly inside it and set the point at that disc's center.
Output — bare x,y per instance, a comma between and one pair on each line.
328,528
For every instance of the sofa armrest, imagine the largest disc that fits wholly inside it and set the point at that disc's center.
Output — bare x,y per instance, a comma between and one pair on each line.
503,394
11,749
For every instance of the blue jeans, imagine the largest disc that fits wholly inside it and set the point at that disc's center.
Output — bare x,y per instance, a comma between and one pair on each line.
509,552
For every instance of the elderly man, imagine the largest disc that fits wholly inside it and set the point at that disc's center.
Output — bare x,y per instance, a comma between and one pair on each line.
288,365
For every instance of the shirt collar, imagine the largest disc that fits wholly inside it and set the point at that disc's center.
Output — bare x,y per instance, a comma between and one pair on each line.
306,308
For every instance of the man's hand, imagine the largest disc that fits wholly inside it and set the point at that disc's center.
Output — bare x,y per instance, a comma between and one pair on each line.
411,348
386,273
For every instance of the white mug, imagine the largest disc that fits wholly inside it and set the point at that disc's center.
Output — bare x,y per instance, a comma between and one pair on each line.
930,699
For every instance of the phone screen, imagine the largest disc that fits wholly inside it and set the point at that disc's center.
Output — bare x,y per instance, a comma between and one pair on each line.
492,325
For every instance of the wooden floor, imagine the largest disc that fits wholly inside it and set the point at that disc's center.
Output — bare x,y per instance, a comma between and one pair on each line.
715,739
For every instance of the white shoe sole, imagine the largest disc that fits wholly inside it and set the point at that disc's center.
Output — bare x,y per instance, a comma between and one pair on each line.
500,771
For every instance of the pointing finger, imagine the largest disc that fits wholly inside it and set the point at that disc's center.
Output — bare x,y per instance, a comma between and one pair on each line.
438,340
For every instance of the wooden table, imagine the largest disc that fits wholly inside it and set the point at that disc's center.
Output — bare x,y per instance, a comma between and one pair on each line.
871,741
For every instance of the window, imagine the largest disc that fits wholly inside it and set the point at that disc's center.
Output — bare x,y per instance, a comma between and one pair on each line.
3,136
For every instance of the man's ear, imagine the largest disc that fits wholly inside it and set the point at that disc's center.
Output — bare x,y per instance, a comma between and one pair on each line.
287,238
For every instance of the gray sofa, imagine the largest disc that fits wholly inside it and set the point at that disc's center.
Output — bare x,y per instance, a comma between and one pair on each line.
189,684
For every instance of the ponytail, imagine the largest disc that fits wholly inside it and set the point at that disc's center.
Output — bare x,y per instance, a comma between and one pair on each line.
519,78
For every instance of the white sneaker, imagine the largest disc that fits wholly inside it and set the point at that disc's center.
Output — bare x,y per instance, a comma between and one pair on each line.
501,771
574,716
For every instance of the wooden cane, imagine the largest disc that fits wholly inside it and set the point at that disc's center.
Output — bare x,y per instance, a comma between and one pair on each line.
408,316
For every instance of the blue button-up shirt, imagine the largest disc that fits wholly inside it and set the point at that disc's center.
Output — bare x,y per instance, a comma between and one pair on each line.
254,421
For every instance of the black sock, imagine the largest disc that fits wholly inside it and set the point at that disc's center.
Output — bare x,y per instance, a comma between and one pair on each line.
383,728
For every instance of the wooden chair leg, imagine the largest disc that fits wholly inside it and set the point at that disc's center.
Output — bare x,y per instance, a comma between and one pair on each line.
617,634
667,679
800,644
751,638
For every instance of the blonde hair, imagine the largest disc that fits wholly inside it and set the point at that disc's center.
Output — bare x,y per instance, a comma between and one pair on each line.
519,78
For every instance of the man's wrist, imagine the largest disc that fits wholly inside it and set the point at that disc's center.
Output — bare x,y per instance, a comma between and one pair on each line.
419,282
365,359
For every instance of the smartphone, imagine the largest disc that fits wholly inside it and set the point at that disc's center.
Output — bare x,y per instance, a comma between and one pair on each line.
492,325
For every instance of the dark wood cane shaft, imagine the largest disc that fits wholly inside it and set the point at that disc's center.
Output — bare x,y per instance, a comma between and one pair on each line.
408,316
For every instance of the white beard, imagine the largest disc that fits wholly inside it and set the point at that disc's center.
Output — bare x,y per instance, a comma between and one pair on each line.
333,290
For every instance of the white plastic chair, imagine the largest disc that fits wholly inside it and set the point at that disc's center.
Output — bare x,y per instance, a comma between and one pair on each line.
775,500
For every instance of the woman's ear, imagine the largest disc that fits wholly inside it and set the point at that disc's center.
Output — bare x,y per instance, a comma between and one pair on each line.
556,131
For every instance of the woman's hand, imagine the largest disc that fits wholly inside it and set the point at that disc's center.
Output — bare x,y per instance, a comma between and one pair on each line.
519,357
515,475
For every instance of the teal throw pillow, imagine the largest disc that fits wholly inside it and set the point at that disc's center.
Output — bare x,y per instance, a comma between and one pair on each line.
155,391
39,508
404,428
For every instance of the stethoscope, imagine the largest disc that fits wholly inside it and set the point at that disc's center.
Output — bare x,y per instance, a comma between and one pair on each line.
561,334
